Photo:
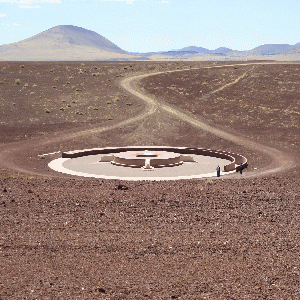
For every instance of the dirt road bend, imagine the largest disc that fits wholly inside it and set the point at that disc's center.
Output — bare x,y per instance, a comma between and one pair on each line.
279,161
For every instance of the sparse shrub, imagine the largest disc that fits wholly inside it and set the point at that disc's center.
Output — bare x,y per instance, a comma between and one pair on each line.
17,81
235,67
108,102
54,87
4,68
128,103
78,89
73,101
31,93
14,104
68,82
62,108
1,82
63,100
71,77
95,108
25,85
95,68
34,85
51,70
56,79
96,74
42,156
79,113
69,105
110,118
276,78
108,80
22,66
73,87
47,110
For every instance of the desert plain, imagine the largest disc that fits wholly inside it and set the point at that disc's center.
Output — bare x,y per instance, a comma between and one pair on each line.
67,237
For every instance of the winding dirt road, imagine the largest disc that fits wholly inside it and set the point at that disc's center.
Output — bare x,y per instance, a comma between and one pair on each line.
279,161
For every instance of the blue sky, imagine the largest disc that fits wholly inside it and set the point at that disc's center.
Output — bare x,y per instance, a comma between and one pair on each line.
159,25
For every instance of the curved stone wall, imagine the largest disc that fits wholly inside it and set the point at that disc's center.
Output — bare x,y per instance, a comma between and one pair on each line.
235,159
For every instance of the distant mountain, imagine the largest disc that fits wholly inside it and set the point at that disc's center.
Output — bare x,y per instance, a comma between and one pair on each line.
223,50
63,42
195,49
68,35
263,50
271,49
297,45
69,43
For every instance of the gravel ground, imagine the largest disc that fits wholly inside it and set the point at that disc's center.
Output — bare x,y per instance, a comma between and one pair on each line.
65,237
94,239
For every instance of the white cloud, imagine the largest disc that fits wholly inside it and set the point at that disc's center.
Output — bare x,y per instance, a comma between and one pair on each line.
29,6
2,15
127,1
14,24
30,2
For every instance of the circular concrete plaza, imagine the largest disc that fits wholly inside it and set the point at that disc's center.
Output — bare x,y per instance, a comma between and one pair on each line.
106,166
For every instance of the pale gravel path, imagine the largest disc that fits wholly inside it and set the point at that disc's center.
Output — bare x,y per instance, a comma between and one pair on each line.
89,166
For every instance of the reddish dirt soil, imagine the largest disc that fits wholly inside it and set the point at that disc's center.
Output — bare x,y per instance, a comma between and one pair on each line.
71,238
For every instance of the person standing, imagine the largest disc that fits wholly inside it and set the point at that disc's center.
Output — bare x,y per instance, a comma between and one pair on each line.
241,168
218,171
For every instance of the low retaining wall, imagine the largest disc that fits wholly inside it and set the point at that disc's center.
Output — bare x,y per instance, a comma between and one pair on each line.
235,159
